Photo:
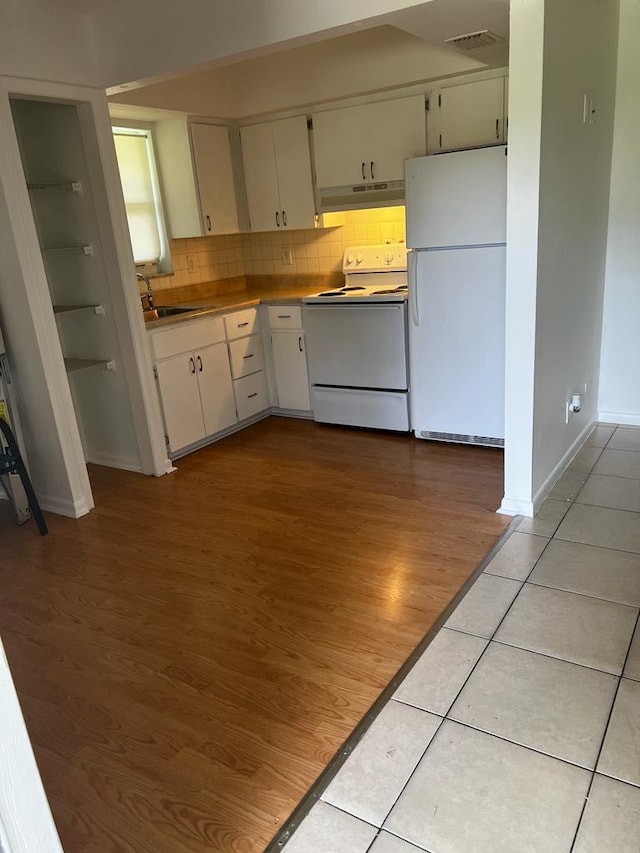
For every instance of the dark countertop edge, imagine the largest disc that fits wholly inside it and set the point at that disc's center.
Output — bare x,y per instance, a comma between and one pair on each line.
242,301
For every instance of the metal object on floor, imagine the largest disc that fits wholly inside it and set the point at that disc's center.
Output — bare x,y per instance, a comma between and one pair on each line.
11,462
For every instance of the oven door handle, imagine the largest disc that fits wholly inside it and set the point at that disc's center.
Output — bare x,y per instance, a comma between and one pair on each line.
412,279
361,306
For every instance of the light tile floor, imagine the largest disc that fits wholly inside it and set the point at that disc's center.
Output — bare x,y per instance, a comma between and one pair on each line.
518,729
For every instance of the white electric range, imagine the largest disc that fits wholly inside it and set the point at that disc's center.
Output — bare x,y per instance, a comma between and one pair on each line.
356,338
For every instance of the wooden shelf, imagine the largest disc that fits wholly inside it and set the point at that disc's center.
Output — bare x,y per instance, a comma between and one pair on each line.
55,186
65,309
69,250
75,365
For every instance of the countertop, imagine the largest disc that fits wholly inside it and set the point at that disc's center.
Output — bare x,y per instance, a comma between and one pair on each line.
223,303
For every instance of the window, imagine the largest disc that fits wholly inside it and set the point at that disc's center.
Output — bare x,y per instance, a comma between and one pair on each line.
136,163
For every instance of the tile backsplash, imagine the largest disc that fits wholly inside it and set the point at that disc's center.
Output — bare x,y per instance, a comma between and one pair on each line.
317,250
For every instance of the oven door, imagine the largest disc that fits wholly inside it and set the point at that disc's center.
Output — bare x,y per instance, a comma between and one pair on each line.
357,345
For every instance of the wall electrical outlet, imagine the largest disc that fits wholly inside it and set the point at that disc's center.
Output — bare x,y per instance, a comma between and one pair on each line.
287,257
192,263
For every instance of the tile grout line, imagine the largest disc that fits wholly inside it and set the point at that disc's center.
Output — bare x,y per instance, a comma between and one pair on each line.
314,794
473,669
604,735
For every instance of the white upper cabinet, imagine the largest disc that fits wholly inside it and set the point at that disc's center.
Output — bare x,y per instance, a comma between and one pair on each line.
468,116
197,178
368,143
277,170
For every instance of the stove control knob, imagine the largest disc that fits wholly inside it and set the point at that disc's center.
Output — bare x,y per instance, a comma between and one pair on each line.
359,259
349,259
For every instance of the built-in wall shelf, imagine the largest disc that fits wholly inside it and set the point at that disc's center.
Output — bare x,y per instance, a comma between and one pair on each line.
55,186
69,250
75,365
65,309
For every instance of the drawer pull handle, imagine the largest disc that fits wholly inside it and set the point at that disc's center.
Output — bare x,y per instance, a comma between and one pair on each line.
208,223
193,365
278,218
199,364
249,396
364,177
300,344
284,218
284,316
373,177
251,355
242,325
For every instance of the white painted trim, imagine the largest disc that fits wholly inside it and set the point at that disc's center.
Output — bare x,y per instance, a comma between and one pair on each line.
292,413
212,439
621,418
112,461
515,507
26,823
562,466
70,509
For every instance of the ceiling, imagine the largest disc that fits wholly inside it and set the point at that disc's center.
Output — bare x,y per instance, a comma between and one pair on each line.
408,48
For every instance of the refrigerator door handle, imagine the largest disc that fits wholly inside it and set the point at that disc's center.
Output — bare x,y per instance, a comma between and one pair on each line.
412,278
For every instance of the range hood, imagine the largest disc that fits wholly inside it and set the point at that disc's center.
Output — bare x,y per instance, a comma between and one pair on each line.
374,194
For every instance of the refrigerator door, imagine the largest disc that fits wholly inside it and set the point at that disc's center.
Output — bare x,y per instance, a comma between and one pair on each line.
456,351
457,199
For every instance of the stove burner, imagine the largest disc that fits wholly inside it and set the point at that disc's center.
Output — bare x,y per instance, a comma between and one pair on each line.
332,293
400,289
353,287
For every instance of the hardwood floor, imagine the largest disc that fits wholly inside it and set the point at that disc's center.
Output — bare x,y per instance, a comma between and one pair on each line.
191,655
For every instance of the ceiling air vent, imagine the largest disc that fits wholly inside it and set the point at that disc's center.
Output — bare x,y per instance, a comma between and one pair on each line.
472,41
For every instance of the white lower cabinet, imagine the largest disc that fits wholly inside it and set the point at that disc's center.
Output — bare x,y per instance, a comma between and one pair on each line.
216,388
196,392
252,395
290,369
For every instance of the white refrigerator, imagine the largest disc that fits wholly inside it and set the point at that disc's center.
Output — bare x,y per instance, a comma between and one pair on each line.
456,231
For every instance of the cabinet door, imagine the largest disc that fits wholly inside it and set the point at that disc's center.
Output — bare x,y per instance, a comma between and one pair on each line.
178,386
472,115
369,142
396,130
261,177
214,172
340,141
293,164
216,388
290,367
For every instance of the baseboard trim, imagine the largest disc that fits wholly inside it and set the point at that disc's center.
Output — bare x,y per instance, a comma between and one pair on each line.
561,467
620,418
292,413
212,439
70,509
110,461
514,506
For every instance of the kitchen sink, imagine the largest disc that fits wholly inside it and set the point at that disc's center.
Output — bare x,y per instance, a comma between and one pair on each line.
171,310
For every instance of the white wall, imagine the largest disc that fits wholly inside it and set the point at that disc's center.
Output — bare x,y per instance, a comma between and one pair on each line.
619,399
26,824
355,64
48,41
565,254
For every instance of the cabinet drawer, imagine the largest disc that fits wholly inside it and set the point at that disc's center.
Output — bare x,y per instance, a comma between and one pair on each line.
241,323
285,317
252,395
186,337
246,356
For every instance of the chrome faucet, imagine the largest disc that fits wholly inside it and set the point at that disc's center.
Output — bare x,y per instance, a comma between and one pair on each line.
148,294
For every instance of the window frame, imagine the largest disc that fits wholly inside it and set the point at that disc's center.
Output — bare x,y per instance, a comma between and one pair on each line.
141,128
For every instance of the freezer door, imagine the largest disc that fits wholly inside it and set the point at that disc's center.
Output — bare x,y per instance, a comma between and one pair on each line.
456,348
457,199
